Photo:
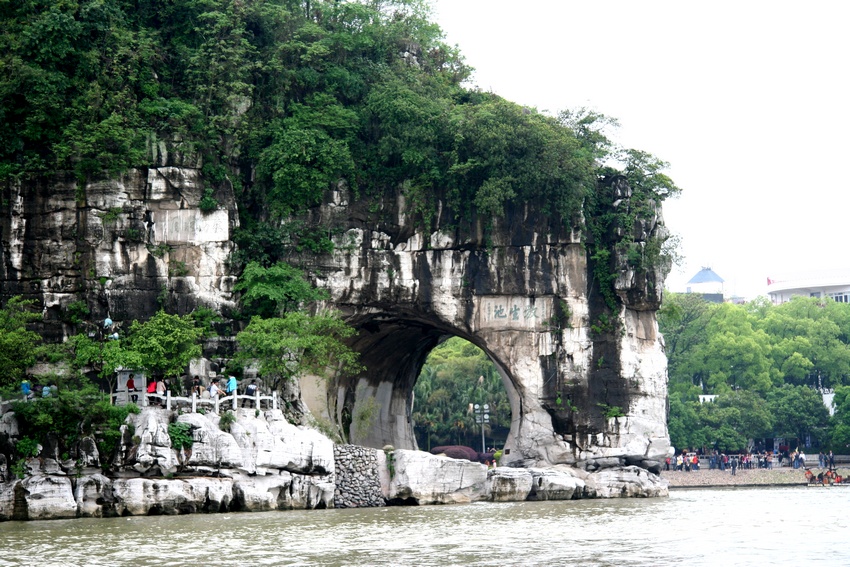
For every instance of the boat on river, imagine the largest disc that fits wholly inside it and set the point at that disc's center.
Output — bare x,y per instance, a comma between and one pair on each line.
826,479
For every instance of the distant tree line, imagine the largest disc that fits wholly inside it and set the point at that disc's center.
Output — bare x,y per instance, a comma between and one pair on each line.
767,364
457,375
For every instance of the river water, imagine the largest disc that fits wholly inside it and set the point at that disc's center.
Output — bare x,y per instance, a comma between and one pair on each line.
717,527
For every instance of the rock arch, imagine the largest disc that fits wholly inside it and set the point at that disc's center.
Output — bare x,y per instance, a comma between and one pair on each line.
580,394
587,381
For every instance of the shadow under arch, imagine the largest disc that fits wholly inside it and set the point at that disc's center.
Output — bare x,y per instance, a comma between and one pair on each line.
373,408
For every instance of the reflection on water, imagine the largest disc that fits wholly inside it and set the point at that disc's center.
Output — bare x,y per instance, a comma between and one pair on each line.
783,526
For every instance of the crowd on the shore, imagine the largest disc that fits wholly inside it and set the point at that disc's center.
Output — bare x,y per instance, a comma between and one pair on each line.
692,461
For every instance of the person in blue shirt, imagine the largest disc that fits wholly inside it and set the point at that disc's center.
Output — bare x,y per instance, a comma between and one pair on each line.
26,389
231,385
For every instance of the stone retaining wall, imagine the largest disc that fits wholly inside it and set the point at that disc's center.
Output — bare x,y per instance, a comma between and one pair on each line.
358,484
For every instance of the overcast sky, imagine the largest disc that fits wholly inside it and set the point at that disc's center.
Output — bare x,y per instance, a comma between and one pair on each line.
748,101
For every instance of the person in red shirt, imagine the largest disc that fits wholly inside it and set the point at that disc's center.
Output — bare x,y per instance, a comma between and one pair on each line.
131,389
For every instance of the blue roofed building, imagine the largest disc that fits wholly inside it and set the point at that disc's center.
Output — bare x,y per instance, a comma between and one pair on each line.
707,284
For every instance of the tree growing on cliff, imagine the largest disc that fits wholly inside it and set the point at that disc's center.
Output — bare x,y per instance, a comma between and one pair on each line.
18,345
274,291
284,348
164,344
282,339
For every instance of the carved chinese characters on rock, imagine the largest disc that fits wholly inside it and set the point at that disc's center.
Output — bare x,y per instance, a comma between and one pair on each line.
513,312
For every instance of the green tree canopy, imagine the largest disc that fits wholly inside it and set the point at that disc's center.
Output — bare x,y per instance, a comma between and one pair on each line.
455,375
777,358
164,344
798,412
285,100
18,345
274,291
287,347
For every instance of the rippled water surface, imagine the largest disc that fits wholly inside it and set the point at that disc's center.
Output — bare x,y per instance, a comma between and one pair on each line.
717,527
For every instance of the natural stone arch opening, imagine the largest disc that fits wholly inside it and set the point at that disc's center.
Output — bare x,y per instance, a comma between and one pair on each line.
374,408
459,399
561,309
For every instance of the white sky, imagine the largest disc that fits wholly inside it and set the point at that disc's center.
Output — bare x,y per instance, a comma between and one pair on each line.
749,102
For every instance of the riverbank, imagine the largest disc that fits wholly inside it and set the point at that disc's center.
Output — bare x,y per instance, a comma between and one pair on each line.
744,477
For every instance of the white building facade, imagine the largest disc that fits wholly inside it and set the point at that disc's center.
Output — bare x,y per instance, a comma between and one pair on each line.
834,285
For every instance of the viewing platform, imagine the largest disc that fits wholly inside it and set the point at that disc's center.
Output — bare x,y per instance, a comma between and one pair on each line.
195,402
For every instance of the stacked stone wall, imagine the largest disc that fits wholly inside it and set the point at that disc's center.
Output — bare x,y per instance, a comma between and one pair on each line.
358,483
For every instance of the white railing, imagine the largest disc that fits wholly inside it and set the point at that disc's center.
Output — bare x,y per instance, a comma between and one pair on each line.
194,402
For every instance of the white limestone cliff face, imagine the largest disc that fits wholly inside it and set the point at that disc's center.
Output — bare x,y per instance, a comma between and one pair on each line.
524,294
122,244
519,287
263,463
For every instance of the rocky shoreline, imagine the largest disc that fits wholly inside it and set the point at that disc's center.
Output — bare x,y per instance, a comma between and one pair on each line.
263,462
744,477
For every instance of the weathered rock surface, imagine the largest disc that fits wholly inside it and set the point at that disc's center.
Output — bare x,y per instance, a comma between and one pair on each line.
264,464
423,478
520,287
142,497
559,483
523,292
509,485
628,482
48,497
301,470
118,243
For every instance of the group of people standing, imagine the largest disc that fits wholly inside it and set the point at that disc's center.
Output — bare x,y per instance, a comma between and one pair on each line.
158,388
826,460
30,390
718,460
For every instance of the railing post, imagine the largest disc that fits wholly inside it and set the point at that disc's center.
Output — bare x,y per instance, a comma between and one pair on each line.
257,398
194,402
217,400
274,400
168,400
234,400
144,398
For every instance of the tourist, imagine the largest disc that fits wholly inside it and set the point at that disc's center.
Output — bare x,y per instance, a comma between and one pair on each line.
695,462
160,387
830,460
214,389
131,388
252,389
734,464
151,391
26,390
821,460
231,385
197,388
